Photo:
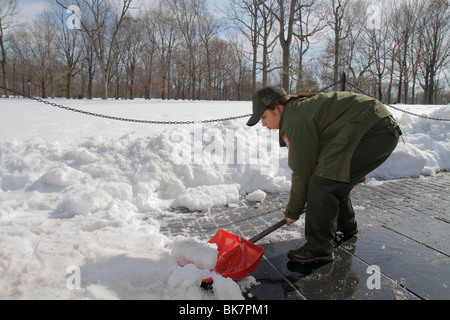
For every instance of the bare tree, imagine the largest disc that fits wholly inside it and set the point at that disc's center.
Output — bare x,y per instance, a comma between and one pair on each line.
69,45
150,23
336,22
164,33
354,56
19,44
268,40
256,23
232,69
377,46
177,50
435,45
133,48
102,21
286,13
308,25
8,9
403,28
187,13
244,14
88,62
39,38
208,28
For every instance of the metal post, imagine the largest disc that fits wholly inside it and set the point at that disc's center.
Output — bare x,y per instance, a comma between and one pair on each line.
343,81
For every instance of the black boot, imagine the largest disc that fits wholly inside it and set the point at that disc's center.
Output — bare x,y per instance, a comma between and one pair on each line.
301,255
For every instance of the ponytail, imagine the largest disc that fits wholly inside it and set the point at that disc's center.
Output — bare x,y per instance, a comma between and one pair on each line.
284,100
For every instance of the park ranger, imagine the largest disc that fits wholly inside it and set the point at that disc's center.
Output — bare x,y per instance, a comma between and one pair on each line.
334,140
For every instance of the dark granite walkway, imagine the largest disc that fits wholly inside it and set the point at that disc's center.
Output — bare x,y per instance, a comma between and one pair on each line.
402,249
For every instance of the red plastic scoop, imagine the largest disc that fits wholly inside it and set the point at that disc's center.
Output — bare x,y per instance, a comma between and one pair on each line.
237,257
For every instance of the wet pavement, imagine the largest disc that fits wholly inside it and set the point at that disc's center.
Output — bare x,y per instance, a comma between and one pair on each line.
402,249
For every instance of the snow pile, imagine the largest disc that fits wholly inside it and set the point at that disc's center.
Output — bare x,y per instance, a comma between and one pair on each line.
81,197
188,251
426,147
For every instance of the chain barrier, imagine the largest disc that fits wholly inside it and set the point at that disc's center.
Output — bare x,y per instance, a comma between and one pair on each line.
391,106
355,89
330,86
118,118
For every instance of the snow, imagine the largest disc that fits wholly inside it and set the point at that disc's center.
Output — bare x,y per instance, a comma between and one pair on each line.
82,198
188,251
257,195
207,196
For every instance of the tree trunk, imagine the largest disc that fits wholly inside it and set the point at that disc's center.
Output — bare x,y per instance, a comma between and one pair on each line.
3,62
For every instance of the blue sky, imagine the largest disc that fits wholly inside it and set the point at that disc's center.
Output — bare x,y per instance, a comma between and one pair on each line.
30,8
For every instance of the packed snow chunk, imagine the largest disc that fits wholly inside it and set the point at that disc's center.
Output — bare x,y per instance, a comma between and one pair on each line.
84,202
63,176
257,195
205,197
226,288
184,284
81,155
188,251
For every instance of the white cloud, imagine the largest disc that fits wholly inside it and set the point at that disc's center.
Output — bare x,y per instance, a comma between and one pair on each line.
30,9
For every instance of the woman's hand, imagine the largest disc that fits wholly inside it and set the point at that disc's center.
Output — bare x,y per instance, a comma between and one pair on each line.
289,220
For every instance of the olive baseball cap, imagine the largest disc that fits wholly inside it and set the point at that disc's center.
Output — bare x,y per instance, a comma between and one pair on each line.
261,100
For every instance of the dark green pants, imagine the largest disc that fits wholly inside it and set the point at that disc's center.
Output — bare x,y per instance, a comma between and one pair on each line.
329,207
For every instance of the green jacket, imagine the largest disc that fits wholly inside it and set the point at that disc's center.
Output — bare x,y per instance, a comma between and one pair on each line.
322,133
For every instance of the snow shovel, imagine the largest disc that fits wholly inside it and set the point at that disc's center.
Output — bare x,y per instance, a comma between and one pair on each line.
237,257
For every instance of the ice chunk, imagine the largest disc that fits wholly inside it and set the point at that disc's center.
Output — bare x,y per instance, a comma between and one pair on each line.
188,251
204,197
257,195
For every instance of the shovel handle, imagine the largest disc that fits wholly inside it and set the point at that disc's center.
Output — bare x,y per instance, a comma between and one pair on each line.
268,230
271,229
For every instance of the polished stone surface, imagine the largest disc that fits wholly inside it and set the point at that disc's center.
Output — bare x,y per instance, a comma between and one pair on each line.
402,249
